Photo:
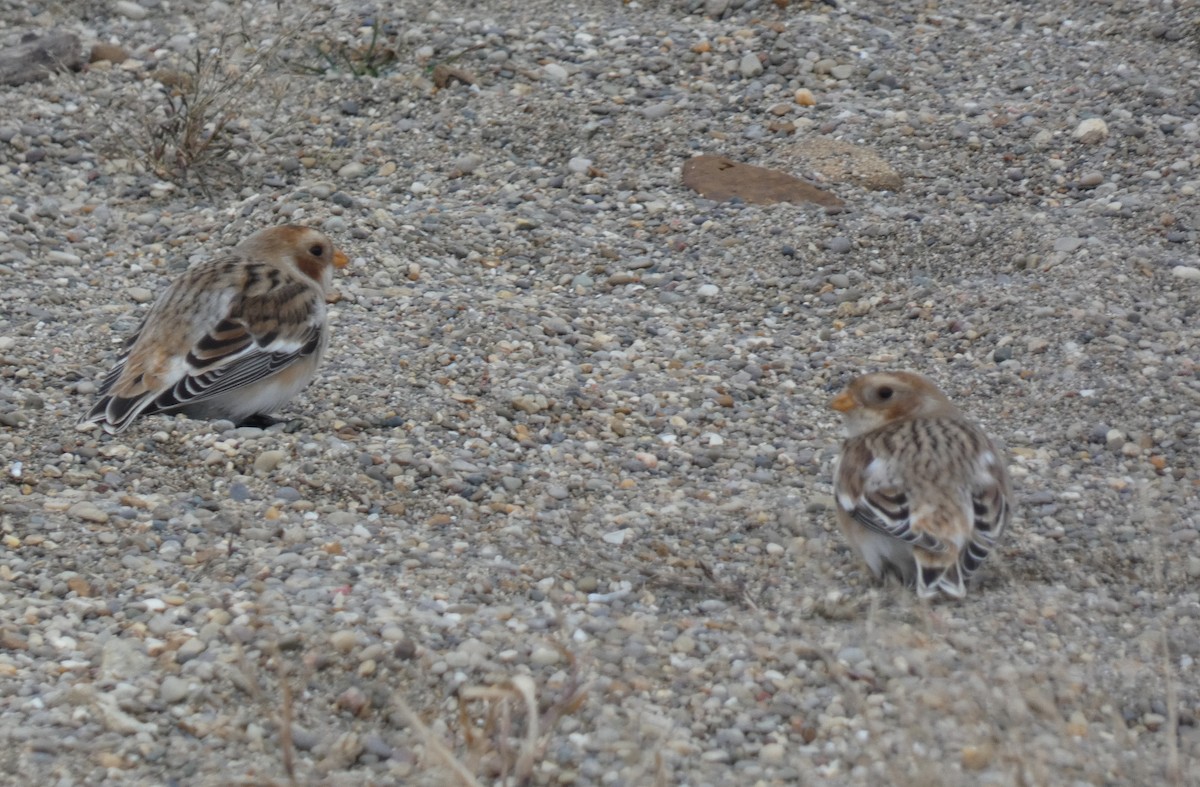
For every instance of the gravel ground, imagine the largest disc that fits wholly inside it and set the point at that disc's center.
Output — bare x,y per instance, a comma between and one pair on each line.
571,443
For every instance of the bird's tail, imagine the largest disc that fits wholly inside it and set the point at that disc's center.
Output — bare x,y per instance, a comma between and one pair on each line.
935,577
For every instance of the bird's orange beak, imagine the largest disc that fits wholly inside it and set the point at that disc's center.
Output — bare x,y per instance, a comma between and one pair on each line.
843,402
340,260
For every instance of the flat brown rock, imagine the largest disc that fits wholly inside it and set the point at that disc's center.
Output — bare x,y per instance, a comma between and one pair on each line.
843,162
110,53
719,178
37,56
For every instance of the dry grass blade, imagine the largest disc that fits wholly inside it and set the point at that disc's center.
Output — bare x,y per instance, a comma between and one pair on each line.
1174,768
573,694
519,689
735,590
287,746
509,715
436,747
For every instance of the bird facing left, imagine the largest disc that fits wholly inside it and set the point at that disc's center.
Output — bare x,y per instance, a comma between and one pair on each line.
236,336
922,491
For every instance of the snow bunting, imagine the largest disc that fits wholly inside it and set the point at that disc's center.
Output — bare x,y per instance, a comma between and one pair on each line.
234,337
921,489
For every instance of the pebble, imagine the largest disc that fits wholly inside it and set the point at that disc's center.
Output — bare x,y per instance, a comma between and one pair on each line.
1186,272
840,245
130,9
343,641
555,72
467,163
268,461
173,689
534,403
88,512
772,754
750,65
189,650
1091,131
305,739
579,165
657,111
1068,245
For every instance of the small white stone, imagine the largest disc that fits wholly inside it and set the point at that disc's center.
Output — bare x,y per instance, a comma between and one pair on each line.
1091,131
352,170
467,163
555,72
268,461
707,290
772,753
140,294
1186,272
129,9
392,633
579,165
343,641
617,537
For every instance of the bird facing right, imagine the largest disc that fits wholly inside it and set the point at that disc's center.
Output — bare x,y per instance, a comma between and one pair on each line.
235,336
922,491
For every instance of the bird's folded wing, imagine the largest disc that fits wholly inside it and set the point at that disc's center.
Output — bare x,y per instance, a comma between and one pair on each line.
250,337
871,492
260,336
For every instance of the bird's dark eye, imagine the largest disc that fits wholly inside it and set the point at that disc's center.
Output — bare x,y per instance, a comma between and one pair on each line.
316,250
885,393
